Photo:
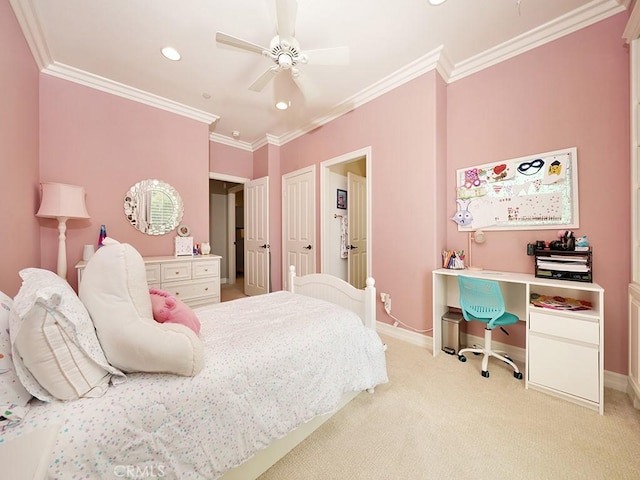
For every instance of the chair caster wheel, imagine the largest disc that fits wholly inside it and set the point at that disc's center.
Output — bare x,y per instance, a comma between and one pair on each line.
518,375
485,373
462,358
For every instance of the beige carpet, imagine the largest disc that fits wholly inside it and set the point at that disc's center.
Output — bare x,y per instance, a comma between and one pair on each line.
440,419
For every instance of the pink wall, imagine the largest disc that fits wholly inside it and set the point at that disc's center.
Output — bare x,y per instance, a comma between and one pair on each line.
107,143
20,233
401,129
230,160
571,92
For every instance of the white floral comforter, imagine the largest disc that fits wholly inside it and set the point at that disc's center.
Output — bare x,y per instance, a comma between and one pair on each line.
272,362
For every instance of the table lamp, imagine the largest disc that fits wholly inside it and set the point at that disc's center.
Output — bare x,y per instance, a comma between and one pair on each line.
63,202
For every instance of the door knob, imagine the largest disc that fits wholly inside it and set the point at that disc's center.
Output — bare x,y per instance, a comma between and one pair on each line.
266,245
308,247
351,247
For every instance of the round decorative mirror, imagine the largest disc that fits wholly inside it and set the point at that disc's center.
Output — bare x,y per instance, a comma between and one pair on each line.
153,207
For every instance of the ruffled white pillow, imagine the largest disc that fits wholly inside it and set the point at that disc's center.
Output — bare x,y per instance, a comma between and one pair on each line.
14,398
55,348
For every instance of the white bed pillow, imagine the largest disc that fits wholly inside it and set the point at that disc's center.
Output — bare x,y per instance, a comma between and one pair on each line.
115,291
14,398
54,344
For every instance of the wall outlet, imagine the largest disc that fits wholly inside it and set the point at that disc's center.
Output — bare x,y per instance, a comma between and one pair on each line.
386,299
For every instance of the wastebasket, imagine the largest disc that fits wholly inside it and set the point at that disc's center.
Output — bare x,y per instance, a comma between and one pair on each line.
451,332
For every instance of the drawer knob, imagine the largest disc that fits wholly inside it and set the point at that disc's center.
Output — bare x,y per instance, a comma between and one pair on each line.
177,273
177,293
206,289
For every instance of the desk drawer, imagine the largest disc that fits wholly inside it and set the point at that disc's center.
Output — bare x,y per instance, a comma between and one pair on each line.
578,329
175,271
206,269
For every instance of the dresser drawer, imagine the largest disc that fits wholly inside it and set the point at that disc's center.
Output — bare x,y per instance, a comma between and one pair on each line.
175,271
189,292
578,329
206,269
153,274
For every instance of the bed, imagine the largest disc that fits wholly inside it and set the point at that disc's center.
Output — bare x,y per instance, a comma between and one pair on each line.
275,367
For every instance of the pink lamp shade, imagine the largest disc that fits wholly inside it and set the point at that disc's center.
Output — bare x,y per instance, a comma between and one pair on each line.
62,200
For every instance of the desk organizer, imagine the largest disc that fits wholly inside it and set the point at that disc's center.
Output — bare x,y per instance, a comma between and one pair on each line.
564,265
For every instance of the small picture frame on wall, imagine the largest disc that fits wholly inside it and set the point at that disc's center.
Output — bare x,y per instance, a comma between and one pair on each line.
342,199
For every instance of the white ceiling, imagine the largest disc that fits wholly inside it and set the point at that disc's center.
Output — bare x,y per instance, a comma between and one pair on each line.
115,46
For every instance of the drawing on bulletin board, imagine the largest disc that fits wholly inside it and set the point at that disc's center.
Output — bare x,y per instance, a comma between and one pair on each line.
528,193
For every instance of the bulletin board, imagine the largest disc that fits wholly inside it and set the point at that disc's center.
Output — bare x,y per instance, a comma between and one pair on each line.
535,192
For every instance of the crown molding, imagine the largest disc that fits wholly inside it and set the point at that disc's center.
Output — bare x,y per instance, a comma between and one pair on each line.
407,73
573,21
588,14
231,142
30,26
109,86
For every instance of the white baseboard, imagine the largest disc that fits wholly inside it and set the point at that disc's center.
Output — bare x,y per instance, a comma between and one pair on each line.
613,380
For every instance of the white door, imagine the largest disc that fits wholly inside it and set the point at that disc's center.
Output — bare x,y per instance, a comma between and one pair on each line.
357,228
256,237
299,222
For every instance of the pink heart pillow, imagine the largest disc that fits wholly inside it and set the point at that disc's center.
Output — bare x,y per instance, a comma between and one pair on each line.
167,308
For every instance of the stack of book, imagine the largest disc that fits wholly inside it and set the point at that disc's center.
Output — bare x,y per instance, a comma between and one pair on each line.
564,265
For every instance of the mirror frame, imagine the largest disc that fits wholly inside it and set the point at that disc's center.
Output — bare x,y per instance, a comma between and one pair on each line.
137,196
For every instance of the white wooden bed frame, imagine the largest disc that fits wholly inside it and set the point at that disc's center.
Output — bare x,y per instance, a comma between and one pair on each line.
332,289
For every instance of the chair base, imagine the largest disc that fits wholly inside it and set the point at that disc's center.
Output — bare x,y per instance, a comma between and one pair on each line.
488,353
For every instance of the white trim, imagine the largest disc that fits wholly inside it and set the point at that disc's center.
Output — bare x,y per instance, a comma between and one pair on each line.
32,31
591,13
573,21
231,142
365,152
227,178
612,380
103,84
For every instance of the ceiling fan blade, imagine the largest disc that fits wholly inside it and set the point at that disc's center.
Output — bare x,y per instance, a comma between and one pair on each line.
263,79
306,85
328,56
239,43
286,12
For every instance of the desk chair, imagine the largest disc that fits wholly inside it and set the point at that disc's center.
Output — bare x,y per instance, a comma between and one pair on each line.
481,300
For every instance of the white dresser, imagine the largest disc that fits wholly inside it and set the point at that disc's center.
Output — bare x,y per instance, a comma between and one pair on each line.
194,280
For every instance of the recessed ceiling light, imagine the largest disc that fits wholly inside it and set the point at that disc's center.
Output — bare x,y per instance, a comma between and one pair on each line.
437,2
282,105
171,53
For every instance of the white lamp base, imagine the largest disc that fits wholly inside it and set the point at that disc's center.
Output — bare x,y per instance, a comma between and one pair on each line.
62,248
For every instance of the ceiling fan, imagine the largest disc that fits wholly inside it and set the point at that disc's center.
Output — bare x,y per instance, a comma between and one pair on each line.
284,51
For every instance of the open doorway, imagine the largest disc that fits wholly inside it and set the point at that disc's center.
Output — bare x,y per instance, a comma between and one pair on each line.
226,230
346,256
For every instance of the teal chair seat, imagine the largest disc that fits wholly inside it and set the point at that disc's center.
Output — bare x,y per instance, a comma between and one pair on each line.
481,300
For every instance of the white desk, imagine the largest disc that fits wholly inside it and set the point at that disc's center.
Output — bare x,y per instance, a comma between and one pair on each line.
564,349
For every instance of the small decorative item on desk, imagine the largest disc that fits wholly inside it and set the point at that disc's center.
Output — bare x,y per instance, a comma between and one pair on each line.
183,246
205,248
453,259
